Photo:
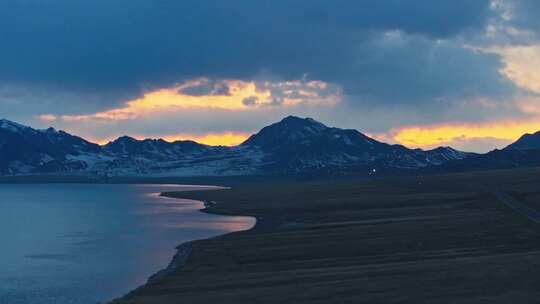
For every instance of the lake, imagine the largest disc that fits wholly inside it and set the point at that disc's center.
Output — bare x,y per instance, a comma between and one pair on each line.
71,243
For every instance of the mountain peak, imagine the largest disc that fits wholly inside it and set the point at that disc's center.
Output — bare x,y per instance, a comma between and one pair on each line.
51,130
11,126
125,138
527,142
298,124
306,138
299,121
291,128
293,145
120,142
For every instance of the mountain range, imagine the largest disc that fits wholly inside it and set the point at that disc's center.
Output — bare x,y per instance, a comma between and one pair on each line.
292,147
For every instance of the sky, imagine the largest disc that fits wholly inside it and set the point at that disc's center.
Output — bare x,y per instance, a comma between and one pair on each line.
420,73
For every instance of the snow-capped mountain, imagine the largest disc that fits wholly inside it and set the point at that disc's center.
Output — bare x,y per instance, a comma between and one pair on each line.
293,146
26,150
299,145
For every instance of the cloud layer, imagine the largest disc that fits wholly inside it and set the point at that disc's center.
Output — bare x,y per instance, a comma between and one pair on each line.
103,68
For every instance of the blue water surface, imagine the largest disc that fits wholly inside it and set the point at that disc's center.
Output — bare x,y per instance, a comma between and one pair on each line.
71,243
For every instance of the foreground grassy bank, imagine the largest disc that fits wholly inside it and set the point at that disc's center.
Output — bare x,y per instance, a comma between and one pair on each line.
434,239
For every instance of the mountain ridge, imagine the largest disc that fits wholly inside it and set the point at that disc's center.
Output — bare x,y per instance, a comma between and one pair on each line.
526,142
293,146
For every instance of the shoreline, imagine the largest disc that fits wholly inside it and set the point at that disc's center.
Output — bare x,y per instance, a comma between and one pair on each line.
339,242
184,250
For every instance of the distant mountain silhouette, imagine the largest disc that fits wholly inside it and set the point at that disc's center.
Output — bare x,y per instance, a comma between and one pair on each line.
301,145
525,152
152,148
26,150
293,146
527,142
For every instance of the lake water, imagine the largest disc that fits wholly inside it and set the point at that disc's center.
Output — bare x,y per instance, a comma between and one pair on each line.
89,243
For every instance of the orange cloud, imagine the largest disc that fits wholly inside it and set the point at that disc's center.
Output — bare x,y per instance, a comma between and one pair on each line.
47,117
241,96
446,134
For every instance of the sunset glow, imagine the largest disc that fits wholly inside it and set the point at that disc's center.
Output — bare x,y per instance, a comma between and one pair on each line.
212,139
470,80
241,96
227,138
447,134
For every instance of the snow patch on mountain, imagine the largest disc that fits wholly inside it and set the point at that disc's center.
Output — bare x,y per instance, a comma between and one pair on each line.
293,146
11,126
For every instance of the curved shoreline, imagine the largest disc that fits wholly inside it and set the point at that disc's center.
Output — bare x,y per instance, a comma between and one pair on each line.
184,250
424,239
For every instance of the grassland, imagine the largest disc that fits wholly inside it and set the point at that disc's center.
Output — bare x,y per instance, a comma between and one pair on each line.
430,239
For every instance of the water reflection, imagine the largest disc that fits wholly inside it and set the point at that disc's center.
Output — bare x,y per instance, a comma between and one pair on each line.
88,243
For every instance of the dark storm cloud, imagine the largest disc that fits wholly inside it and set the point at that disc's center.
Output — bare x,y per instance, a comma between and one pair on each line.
413,70
115,49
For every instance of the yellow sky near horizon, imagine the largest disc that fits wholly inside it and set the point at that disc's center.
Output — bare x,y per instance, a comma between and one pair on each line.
519,66
226,138
449,134
425,137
